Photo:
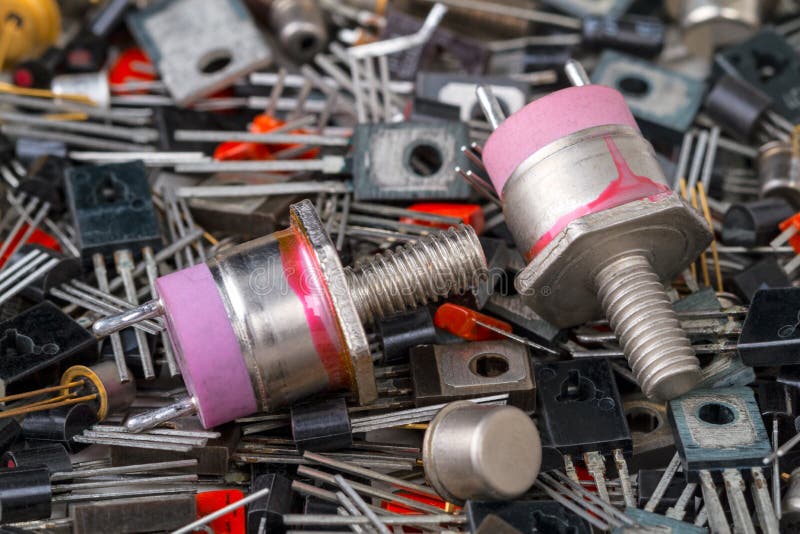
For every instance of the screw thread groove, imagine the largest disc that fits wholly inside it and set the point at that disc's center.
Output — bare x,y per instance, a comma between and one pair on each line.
416,273
655,344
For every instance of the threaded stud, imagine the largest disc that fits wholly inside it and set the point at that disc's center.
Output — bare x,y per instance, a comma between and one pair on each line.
657,348
435,266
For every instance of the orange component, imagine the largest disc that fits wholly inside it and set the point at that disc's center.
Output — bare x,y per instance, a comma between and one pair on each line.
38,237
463,322
132,65
402,509
244,150
471,214
793,221
211,501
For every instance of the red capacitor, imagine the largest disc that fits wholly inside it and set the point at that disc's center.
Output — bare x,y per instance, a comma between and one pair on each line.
243,150
132,65
211,501
463,322
793,221
471,214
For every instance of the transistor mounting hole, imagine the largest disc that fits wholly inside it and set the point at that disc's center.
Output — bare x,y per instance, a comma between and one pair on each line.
715,413
642,420
214,61
489,365
634,85
308,42
425,160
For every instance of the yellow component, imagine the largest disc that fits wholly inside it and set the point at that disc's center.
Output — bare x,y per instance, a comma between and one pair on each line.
414,426
61,117
38,25
44,93
78,372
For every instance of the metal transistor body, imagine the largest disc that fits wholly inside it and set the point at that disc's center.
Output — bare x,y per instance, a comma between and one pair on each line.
277,319
474,452
589,207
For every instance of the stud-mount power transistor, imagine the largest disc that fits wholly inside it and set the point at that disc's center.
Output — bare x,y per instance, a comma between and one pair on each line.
278,318
589,208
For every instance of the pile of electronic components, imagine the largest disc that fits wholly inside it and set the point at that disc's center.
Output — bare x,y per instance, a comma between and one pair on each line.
490,266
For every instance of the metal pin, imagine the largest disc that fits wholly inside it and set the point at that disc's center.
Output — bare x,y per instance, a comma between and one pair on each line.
123,259
19,286
576,74
767,518
14,271
122,470
169,479
514,337
355,74
572,506
9,176
221,512
103,307
663,484
783,449
585,499
714,510
742,522
152,273
150,419
296,520
162,255
158,438
569,468
78,497
595,504
776,468
383,68
121,442
325,165
679,510
347,467
490,105
114,323
26,210
359,502
697,160
368,490
596,466
33,224
275,94
137,135
78,140
624,478
101,274
349,509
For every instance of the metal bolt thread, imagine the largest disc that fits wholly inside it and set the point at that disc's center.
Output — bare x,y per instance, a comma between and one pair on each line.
657,348
416,273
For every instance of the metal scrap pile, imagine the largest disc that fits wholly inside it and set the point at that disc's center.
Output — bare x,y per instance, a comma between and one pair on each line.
504,266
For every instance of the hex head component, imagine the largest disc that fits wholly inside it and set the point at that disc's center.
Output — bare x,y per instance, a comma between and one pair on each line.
666,230
355,339
475,452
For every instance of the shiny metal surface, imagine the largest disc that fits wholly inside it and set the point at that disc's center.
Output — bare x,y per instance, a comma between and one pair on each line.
301,28
709,24
564,271
791,498
567,175
262,284
357,356
775,173
481,452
